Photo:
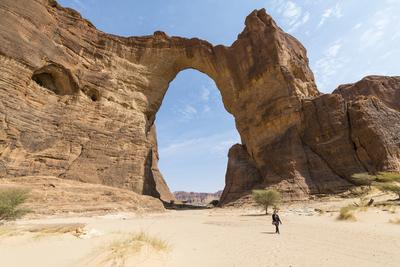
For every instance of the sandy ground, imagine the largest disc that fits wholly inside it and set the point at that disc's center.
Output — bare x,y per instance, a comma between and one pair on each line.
217,237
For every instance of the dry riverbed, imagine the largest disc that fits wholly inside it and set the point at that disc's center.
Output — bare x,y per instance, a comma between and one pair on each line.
214,237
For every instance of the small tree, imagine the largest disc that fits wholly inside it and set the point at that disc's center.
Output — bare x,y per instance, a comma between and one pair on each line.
266,198
10,201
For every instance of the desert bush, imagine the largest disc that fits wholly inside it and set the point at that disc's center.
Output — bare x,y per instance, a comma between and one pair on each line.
266,198
214,202
363,178
385,181
387,177
395,221
347,213
119,251
360,191
10,202
392,188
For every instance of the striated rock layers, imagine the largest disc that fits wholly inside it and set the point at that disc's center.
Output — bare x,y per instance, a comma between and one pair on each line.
80,104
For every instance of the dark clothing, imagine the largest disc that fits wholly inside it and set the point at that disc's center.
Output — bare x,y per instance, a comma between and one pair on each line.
276,221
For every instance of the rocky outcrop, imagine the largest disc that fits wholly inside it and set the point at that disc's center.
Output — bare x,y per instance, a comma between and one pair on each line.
80,104
197,198
242,174
55,196
387,89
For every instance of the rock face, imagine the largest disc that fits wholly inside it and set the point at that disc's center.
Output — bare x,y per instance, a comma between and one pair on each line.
387,89
197,198
51,196
80,104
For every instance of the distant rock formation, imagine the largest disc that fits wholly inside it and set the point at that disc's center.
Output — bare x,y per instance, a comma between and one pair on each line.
80,104
197,198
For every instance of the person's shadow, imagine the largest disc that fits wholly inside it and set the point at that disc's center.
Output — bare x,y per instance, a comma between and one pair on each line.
254,215
268,233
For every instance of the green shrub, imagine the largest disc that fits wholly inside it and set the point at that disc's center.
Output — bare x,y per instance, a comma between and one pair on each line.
363,178
10,201
392,188
388,177
266,198
385,181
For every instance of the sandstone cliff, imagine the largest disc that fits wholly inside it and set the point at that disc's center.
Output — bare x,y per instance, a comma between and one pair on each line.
80,104
197,198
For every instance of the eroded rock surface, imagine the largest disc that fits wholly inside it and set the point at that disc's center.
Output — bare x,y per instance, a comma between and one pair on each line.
387,89
80,104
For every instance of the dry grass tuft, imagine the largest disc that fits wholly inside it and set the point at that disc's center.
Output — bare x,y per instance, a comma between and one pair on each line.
392,209
395,221
40,231
119,251
76,229
360,191
347,214
320,211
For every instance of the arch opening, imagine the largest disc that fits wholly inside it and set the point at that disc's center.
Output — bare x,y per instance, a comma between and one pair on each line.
194,133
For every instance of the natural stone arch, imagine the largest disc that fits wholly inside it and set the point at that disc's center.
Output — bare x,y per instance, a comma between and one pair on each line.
263,77
189,85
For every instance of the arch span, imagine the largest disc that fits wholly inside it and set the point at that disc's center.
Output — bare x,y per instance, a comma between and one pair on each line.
194,134
262,77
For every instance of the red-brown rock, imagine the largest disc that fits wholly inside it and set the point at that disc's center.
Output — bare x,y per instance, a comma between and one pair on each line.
80,104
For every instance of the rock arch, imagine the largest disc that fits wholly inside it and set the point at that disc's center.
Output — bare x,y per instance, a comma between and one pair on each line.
290,133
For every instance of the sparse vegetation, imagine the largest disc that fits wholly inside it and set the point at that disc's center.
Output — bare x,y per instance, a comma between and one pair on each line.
119,251
320,211
392,209
360,191
391,188
347,213
10,202
43,230
395,221
266,198
76,229
385,181
214,202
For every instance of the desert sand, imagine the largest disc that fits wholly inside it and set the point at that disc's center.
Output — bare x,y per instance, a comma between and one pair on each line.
213,237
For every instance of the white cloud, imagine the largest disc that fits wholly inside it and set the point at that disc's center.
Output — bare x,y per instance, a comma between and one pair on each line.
396,36
188,112
329,64
206,108
300,22
79,4
333,12
205,94
291,12
378,28
387,55
371,37
217,144
333,50
357,26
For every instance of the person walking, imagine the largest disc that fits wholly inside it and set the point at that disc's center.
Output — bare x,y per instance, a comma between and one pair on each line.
276,221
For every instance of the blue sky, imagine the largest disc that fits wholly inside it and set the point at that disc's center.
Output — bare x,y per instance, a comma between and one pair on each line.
346,40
